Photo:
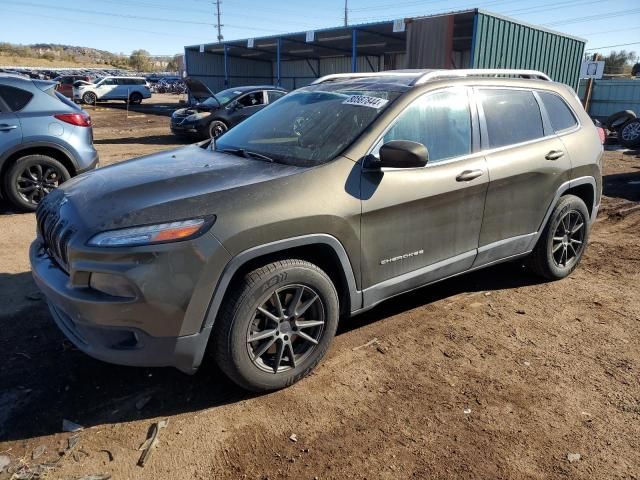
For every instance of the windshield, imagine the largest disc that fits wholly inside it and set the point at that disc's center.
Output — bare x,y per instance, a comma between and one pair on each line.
223,96
312,125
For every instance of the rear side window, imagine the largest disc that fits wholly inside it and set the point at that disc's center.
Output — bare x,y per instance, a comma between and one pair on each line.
512,116
15,98
441,121
274,95
559,113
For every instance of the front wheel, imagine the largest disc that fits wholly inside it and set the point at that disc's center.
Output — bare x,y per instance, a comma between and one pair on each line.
277,325
89,98
217,128
563,240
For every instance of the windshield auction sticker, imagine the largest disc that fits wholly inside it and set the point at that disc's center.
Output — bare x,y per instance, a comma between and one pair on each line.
365,101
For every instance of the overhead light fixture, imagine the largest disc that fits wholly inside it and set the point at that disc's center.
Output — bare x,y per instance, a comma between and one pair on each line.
267,45
304,50
330,39
256,54
332,56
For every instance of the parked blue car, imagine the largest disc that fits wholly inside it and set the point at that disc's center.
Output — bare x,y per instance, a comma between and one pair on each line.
45,139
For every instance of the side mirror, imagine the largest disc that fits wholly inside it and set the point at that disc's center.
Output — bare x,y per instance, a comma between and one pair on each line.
233,106
402,154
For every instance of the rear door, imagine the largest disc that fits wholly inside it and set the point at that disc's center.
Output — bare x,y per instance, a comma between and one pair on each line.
422,224
527,164
11,100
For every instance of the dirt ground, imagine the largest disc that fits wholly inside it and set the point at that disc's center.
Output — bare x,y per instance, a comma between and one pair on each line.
494,375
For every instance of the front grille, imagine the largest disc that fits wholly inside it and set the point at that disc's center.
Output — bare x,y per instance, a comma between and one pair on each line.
55,231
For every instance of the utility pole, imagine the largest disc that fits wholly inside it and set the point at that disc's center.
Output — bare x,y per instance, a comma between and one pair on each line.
346,14
219,25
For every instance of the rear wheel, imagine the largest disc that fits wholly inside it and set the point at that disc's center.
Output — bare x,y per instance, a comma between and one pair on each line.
629,133
89,98
277,325
563,240
32,177
135,98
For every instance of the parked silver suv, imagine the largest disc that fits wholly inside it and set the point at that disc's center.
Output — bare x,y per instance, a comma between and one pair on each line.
45,139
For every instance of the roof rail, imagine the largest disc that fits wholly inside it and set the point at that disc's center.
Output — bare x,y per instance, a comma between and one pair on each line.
344,76
480,72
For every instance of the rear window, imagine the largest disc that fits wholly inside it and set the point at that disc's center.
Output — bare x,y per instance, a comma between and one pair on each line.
512,116
559,113
15,98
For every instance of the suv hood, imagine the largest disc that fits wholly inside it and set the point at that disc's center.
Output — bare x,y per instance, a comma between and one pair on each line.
198,90
184,183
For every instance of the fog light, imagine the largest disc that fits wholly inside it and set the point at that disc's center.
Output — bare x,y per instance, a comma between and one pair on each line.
113,285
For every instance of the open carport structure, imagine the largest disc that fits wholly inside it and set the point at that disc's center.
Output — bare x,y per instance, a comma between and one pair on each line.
464,39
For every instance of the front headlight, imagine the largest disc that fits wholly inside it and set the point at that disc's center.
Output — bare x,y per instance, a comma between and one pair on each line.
148,234
197,116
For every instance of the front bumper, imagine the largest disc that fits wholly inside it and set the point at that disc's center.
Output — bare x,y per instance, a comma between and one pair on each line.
110,328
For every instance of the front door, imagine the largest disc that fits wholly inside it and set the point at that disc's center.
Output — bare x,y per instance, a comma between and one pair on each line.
11,98
527,164
423,224
247,105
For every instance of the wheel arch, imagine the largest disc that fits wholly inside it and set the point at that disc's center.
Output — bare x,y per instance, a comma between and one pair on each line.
53,151
584,188
323,250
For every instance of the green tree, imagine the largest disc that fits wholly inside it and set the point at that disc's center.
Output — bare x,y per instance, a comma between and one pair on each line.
139,60
617,63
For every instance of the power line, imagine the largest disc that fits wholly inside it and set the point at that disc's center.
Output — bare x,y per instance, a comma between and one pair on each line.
593,17
71,20
119,15
546,7
611,46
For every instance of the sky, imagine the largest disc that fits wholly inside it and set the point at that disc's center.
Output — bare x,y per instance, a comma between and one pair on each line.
164,27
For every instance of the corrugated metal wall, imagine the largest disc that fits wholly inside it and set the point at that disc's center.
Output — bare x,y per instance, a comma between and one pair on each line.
611,96
209,68
501,43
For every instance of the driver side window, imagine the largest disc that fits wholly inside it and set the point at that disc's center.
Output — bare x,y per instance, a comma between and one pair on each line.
252,99
441,121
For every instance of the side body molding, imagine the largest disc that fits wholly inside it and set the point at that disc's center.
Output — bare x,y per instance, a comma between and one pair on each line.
239,260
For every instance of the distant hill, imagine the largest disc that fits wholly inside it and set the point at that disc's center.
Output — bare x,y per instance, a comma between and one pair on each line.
53,55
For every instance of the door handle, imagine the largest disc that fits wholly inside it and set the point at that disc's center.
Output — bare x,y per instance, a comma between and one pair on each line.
5,128
554,155
469,175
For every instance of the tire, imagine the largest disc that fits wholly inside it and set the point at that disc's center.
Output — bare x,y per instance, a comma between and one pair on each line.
89,98
629,134
618,119
557,253
241,318
135,98
217,128
30,178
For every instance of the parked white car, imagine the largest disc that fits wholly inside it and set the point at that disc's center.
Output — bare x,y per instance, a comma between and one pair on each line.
131,89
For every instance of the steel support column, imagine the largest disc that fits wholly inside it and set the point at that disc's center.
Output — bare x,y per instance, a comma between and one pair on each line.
354,50
226,66
278,43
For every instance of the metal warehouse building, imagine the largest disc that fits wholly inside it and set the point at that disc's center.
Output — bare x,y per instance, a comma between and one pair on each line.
465,39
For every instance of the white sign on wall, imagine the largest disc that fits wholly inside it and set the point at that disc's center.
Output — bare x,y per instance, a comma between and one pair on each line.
311,36
591,69
202,48
250,43
398,25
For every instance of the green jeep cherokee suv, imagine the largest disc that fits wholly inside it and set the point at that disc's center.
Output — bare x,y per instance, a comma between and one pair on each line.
340,195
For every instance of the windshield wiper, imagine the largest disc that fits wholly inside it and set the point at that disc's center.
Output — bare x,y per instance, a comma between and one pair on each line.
241,152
